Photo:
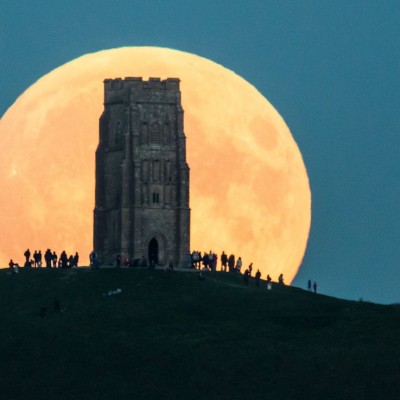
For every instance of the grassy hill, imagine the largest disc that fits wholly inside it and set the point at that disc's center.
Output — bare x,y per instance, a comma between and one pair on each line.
170,336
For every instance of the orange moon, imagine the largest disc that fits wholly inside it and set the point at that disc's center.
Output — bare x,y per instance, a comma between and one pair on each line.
249,192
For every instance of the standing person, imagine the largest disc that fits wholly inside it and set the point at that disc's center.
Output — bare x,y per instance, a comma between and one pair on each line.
92,258
48,258
258,276
246,277
35,259
309,285
76,259
11,265
27,255
39,256
239,265
64,259
211,260
280,279
231,263
224,261
250,268
195,258
54,259
118,260
315,287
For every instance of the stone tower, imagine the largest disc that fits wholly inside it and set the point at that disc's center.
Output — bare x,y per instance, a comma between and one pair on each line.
142,178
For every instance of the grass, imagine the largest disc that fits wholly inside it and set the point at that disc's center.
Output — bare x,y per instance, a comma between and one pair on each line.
170,336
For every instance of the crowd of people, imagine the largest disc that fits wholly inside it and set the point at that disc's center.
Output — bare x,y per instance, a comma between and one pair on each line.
206,261
51,260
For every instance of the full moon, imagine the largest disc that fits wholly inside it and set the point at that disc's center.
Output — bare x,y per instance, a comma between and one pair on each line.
249,190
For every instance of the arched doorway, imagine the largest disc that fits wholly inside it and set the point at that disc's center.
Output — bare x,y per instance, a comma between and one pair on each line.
153,251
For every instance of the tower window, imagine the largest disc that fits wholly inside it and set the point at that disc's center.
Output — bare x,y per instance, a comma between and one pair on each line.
156,197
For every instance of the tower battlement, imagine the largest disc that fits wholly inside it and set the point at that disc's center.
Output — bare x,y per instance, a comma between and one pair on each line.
118,89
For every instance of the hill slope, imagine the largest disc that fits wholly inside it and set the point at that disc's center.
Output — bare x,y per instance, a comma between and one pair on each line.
170,336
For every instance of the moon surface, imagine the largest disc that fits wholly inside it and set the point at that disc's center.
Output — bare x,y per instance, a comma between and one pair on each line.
249,192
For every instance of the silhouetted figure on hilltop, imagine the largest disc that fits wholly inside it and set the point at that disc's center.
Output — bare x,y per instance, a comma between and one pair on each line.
76,259
64,260
92,259
35,259
280,279
211,260
309,285
315,287
27,255
231,263
205,261
224,261
39,256
48,257
239,265
71,261
11,264
246,277
54,258
250,268
258,277
269,279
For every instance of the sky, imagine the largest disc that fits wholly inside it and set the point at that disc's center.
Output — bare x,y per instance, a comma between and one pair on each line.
330,68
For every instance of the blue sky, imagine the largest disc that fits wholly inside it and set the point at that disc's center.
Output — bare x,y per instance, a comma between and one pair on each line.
332,70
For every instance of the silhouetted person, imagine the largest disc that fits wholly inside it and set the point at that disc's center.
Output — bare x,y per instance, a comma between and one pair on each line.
250,268
39,256
246,277
36,258
48,257
231,263
309,285
280,279
205,261
64,259
70,261
239,265
92,259
224,261
54,258
76,259
118,263
171,266
315,287
27,255
196,259
11,264
258,276
211,260
269,279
